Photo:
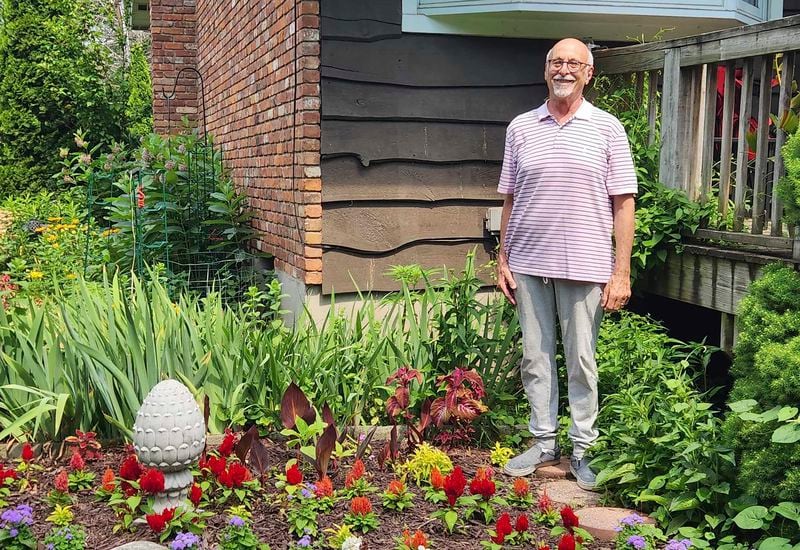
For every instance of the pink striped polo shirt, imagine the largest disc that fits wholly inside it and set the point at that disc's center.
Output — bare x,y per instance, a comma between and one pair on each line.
562,178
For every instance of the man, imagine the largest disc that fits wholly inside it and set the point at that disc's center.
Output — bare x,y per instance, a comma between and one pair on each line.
569,183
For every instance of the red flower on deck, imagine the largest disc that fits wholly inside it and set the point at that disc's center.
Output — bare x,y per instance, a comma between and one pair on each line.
521,487
567,542
228,443
360,506
238,473
356,473
522,524
396,487
76,462
437,479
195,494
6,474
61,482
158,522
217,465
324,488
482,484
109,480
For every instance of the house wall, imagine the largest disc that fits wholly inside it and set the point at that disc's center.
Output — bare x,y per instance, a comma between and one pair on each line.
413,130
260,70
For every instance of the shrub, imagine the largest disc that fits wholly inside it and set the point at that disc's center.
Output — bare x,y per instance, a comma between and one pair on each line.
659,447
139,109
57,77
766,369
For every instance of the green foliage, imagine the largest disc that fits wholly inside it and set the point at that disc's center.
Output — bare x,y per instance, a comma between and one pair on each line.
68,537
139,108
789,185
662,214
57,77
766,370
422,462
659,447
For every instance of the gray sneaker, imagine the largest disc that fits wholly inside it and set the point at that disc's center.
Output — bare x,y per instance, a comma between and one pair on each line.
527,463
586,478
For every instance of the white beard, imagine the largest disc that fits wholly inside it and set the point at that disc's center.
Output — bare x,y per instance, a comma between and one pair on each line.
562,89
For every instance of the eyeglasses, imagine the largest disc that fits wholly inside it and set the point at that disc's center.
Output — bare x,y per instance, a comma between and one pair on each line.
573,64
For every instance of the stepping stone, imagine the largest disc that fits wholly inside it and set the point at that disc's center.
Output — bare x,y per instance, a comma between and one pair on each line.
601,521
567,492
140,545
556,471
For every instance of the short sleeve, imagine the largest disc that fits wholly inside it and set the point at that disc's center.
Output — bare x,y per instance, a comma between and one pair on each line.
621,178
508,175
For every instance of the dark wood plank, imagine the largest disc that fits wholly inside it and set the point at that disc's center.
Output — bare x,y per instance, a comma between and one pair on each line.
343,272
381,228
360,20
386,11
346,179
437,60
423,141
348,99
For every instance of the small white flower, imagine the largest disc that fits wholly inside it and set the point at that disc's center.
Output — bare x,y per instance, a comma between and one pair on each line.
351,543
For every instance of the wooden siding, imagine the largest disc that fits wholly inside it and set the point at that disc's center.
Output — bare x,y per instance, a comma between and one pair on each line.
413,128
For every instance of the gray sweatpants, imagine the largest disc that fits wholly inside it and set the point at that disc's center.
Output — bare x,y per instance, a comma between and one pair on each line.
577,307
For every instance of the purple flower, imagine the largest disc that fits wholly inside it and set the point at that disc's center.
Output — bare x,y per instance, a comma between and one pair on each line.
304,541
674,544
637,541
306,493
236,521
185,541
631,520
21,515
50,546
13,532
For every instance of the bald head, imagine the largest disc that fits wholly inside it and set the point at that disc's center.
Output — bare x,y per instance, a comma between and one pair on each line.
572,46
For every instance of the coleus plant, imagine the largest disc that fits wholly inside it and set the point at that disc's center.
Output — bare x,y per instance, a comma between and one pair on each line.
460,405
399,408
316,437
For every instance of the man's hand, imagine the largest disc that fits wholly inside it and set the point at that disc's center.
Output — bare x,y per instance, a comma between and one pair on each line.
505,280
616,292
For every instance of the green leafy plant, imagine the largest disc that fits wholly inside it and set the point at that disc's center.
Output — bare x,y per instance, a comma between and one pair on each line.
238,535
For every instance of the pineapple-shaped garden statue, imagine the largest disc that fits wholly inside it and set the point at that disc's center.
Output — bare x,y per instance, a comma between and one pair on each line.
169,434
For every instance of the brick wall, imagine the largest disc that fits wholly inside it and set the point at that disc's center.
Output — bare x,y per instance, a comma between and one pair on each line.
172,30
260,66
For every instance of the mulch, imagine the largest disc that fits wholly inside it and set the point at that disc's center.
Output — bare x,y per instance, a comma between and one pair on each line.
268,521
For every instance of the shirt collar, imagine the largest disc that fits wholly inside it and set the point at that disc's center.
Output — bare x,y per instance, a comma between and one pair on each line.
584,111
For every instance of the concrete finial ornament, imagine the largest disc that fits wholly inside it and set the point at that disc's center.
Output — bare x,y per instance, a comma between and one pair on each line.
169,434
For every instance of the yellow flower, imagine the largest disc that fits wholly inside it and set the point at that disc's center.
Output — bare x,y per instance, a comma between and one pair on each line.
177,308
72,276
75,221
52,238
55,219
41,229
56,245
35,275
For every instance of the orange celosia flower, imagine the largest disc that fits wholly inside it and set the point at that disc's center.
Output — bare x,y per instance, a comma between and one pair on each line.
416,540
109,480
483,474
396,487
437,479
521,487
360,506
324,488
356,473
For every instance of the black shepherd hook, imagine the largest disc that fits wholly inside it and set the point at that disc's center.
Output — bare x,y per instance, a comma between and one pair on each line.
171,96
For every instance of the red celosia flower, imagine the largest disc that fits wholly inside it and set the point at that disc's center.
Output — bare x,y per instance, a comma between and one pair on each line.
454,485
293,475
396,487
217,465
482,486
569,518
567,542
356,473
416,540
109,481
61,482
437,479
152,481
544,504
202,464
158,522
502,529
27,452
6,474
521,487
239,474
522,524
324,488
360,506
226,448
130,468
195,494
76,462
543,546
224,479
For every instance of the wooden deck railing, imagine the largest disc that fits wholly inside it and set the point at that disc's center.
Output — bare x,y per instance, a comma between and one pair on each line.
702,138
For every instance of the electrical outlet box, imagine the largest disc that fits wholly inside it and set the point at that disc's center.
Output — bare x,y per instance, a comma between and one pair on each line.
492,220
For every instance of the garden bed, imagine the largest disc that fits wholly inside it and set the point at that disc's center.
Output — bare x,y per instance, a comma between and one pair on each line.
268,506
